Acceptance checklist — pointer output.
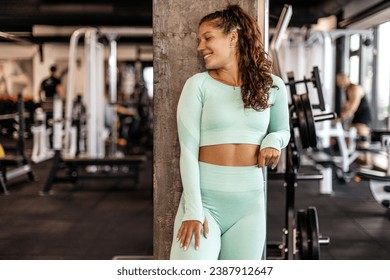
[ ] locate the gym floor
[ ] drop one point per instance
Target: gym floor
(358, 226)
(105, 219)
(94, 219)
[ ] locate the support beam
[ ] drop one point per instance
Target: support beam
(175, 24)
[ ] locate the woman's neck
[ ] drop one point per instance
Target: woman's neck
(229, 77)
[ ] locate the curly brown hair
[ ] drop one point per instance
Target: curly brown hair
(254, 63)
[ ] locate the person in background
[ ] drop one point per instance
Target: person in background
(356, 111)
(232, 119)
(50, 86)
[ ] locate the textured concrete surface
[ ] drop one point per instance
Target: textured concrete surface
(175, 24)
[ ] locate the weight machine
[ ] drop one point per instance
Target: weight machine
(301, 238)
(379, 180)
(41, 138)
(19, 160)
(88, 163)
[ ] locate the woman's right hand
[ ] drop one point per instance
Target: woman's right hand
(187, 229)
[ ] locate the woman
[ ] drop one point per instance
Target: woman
(232, 119)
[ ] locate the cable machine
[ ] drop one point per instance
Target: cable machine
(93, 158)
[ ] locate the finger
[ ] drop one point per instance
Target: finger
(197, 239)
(183, 237)
(205, 228)
(269, 159)
(268, 156)
(275, 162)
(179, 232)
(261, 160)
(272, 158)
(187, 239)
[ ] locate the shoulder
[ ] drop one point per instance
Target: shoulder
(193, 87)
(278, 89)
(44, 81)
(277, 81)
(195, 82)
(197, 79)
(355, 87)
(354, 90)
(278, 86)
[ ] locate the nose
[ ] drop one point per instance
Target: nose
(200, 46)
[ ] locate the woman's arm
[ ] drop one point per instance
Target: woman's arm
(189, 113)
(279, 126)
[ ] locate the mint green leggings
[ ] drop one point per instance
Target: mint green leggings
(233, 202)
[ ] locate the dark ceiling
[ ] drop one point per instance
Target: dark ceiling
(21, 15)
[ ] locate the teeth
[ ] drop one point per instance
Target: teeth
(206, 56)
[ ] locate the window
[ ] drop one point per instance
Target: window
(383, 75)
(354, 58)
(148, 77)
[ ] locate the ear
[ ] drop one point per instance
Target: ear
(233, 37)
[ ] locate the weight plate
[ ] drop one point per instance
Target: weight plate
(309, 120)
(302, 235)
(301, 121)
(313, 233)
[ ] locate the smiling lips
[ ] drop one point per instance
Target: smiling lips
(206, 56)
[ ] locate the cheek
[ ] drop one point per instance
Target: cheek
(222, 50)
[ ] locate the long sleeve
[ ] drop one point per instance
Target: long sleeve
(189, 114)
(279, 127)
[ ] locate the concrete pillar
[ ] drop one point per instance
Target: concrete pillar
(175, 24)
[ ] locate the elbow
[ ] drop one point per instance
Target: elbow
(285, 136)
(277, 139)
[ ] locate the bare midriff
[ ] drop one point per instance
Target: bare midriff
(230, 154)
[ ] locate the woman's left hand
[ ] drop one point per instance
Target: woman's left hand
(268, 156)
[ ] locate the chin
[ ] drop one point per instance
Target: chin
(209, 67)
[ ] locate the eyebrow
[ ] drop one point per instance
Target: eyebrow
(203, 34)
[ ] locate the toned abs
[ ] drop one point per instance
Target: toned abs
(230, 154)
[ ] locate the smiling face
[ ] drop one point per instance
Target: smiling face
(216, 48)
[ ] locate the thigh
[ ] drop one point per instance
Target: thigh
(245, 240)
(209, 247)
(362, 129)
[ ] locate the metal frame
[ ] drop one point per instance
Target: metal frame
(276, 41)
(263, 20)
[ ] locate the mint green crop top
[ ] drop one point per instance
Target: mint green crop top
(209, 113)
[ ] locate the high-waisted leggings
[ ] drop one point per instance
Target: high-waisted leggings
(233, 202)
